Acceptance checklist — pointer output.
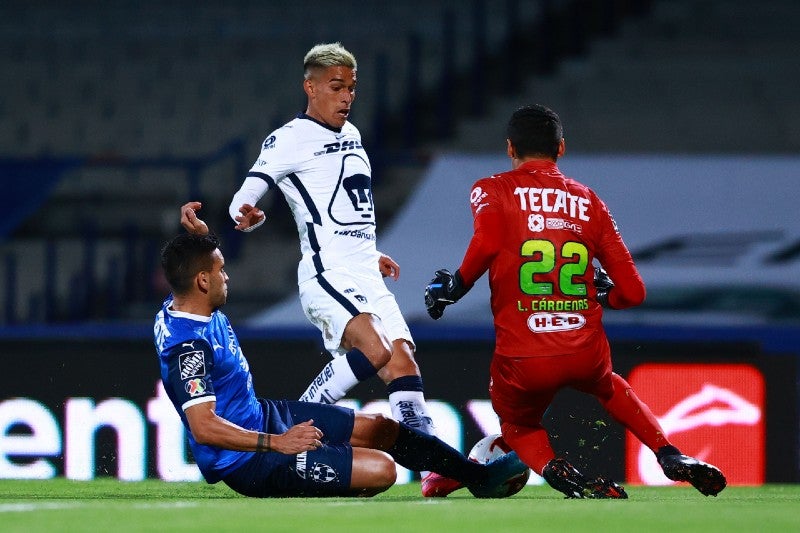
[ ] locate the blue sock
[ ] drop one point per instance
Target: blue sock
(405, 383)
(417, 451)
(361, 366)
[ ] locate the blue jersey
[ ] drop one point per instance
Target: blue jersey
(201, 361)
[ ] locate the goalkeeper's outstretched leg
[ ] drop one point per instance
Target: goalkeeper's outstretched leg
(635, 415)
(706, 478)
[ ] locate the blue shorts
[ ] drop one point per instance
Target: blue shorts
(322, 472)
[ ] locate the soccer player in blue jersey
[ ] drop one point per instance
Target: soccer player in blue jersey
(318, 163)
(261, 447)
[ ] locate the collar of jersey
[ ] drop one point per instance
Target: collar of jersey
(190, 316)
(539, 164)
(312, 119)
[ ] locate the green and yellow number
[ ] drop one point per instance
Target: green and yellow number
(573, 260)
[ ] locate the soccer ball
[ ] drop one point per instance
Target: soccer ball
(490, 448)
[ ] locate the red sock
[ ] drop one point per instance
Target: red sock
(531, 444)
(635, 415)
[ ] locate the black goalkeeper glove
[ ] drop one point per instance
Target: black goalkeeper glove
(444, 289)
(603, 284)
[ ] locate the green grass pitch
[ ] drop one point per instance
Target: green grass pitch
(110, 505)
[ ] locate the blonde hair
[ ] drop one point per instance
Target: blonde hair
(327, 55)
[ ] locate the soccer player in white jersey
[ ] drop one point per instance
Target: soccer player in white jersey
(317, 161)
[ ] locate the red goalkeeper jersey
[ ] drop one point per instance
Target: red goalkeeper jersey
(538, 232)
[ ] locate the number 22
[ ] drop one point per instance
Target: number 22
(575, 258)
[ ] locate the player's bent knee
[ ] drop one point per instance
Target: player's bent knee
(380, 358)
(374, 430)
(386, 475)
(378, 355)
(374, 471)
(375, 419)
(401, 363)
(364, 331)
(615, 388)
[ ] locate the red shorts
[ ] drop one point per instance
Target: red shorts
(522, 388)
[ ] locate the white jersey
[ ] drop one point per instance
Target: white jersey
(325, 176)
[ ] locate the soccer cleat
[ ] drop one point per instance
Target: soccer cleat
(565, 478)
(601, 488)
(706, 478)
(438, 486)
(502, 469)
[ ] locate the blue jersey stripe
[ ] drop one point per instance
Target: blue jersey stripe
(314, 243)
(263, 176)
(352, 309)
(312, 209)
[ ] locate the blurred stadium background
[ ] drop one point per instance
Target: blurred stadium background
(683, 114)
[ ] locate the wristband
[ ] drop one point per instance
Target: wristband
(260, 446)
(254, 226)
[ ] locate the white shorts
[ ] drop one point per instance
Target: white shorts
(331, 299)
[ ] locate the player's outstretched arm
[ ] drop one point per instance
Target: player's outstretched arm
(444, 289)
(242, 207)
(212, 430)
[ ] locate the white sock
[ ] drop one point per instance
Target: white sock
(332, 383)
(409, 407)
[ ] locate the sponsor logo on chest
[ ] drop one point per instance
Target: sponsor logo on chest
(336, 147)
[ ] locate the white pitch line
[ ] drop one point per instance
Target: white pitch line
(30, 507)
(33, 507)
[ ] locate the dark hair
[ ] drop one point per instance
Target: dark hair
(535, 130)
(186, 255)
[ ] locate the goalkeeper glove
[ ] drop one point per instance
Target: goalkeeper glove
(444, 289)
(603, 284)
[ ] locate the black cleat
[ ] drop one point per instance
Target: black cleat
(605, 489)
(706, 478)
(563, 477)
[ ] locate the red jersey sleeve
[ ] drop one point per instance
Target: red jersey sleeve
(613, 254)
(487, 223)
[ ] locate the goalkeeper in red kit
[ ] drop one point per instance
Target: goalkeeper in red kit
(538, 234)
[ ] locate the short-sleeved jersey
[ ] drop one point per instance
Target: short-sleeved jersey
(326, 177)
(538, 233)
(201, 361)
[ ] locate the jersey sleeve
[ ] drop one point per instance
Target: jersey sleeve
(613, 254)
(278, 157)
(250, 193)
(487, 225)
(275, 161)
(189, 366)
